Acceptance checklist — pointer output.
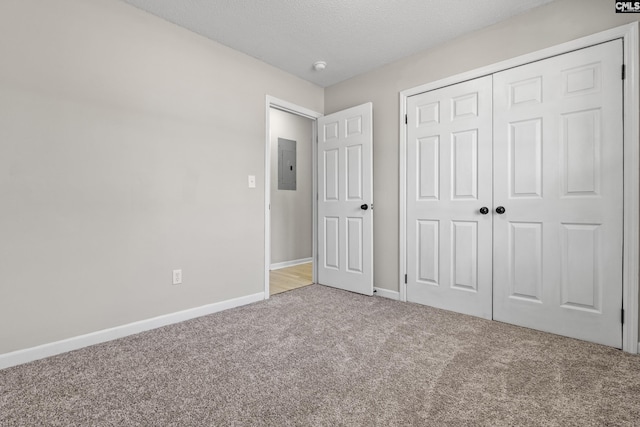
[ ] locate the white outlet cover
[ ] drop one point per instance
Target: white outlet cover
(252, 181)
(177, 277)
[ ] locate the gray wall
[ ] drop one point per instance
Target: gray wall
(291, 215)
(549, 25)
(125, 145)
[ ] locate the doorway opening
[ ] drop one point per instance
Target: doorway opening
(290, 206)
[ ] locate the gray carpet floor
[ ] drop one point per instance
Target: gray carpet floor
(317, 356)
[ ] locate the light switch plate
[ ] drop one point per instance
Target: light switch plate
(252, 181)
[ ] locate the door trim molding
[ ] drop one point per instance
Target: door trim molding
(631, 135)
(289, 107)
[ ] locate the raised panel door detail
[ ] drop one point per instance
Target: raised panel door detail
(428, 251)
(580, 136)
(525, 261)
(331, 191)
(354, 244)
(525, 92)
(582, 80)
(353, 126)
(464, 170)
(330, 131)
(331, 247)
(354, 172)
(428, 158)
(428, 114)
(558, 173)
(464, 255)
(464, 106)
(581, 287)
(345, 183)
(525, 157)
(449, 178)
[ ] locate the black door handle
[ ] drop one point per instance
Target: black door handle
(484, 210)
(500, 210)
(364, 207)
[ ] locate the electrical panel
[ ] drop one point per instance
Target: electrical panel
(286, 164)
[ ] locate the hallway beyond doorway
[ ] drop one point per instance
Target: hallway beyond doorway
(286, 279)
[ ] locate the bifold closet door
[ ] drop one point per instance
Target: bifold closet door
(558, 178)
(448, 184)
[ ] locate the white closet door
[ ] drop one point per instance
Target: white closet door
(345, 188)
(448, 182)
(558, 175)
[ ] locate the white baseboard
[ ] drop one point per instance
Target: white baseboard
(386, 293)
(285, 264)
(51, 349)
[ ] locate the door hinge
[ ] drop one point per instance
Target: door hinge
(405, 279)
(406, 120)
(622, 316)
(624, 71)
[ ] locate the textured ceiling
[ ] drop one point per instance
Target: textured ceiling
(352, 36)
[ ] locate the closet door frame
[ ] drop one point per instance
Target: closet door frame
(631, 134)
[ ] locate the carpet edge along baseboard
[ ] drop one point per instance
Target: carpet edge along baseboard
(19, 357)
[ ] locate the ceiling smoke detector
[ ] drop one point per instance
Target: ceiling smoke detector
(319, 65)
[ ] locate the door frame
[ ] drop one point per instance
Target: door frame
(631, 136)
(286, 106)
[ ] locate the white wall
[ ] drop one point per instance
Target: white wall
(291, 211)
(125, 145)
(549, 25)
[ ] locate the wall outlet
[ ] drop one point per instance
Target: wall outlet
(177, 277)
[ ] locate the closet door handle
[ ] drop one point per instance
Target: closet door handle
(364, 207)
(484, 210)
(500, 210)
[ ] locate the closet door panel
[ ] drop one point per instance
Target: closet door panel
(558, 148)
(448, 180)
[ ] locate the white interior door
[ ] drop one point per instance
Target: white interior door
(448, 185)
(345, 205)
(558, 154)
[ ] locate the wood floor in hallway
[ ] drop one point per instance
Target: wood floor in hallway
(286, 279)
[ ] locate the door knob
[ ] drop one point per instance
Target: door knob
(364, 207)
(500, 210)
(484, 210)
